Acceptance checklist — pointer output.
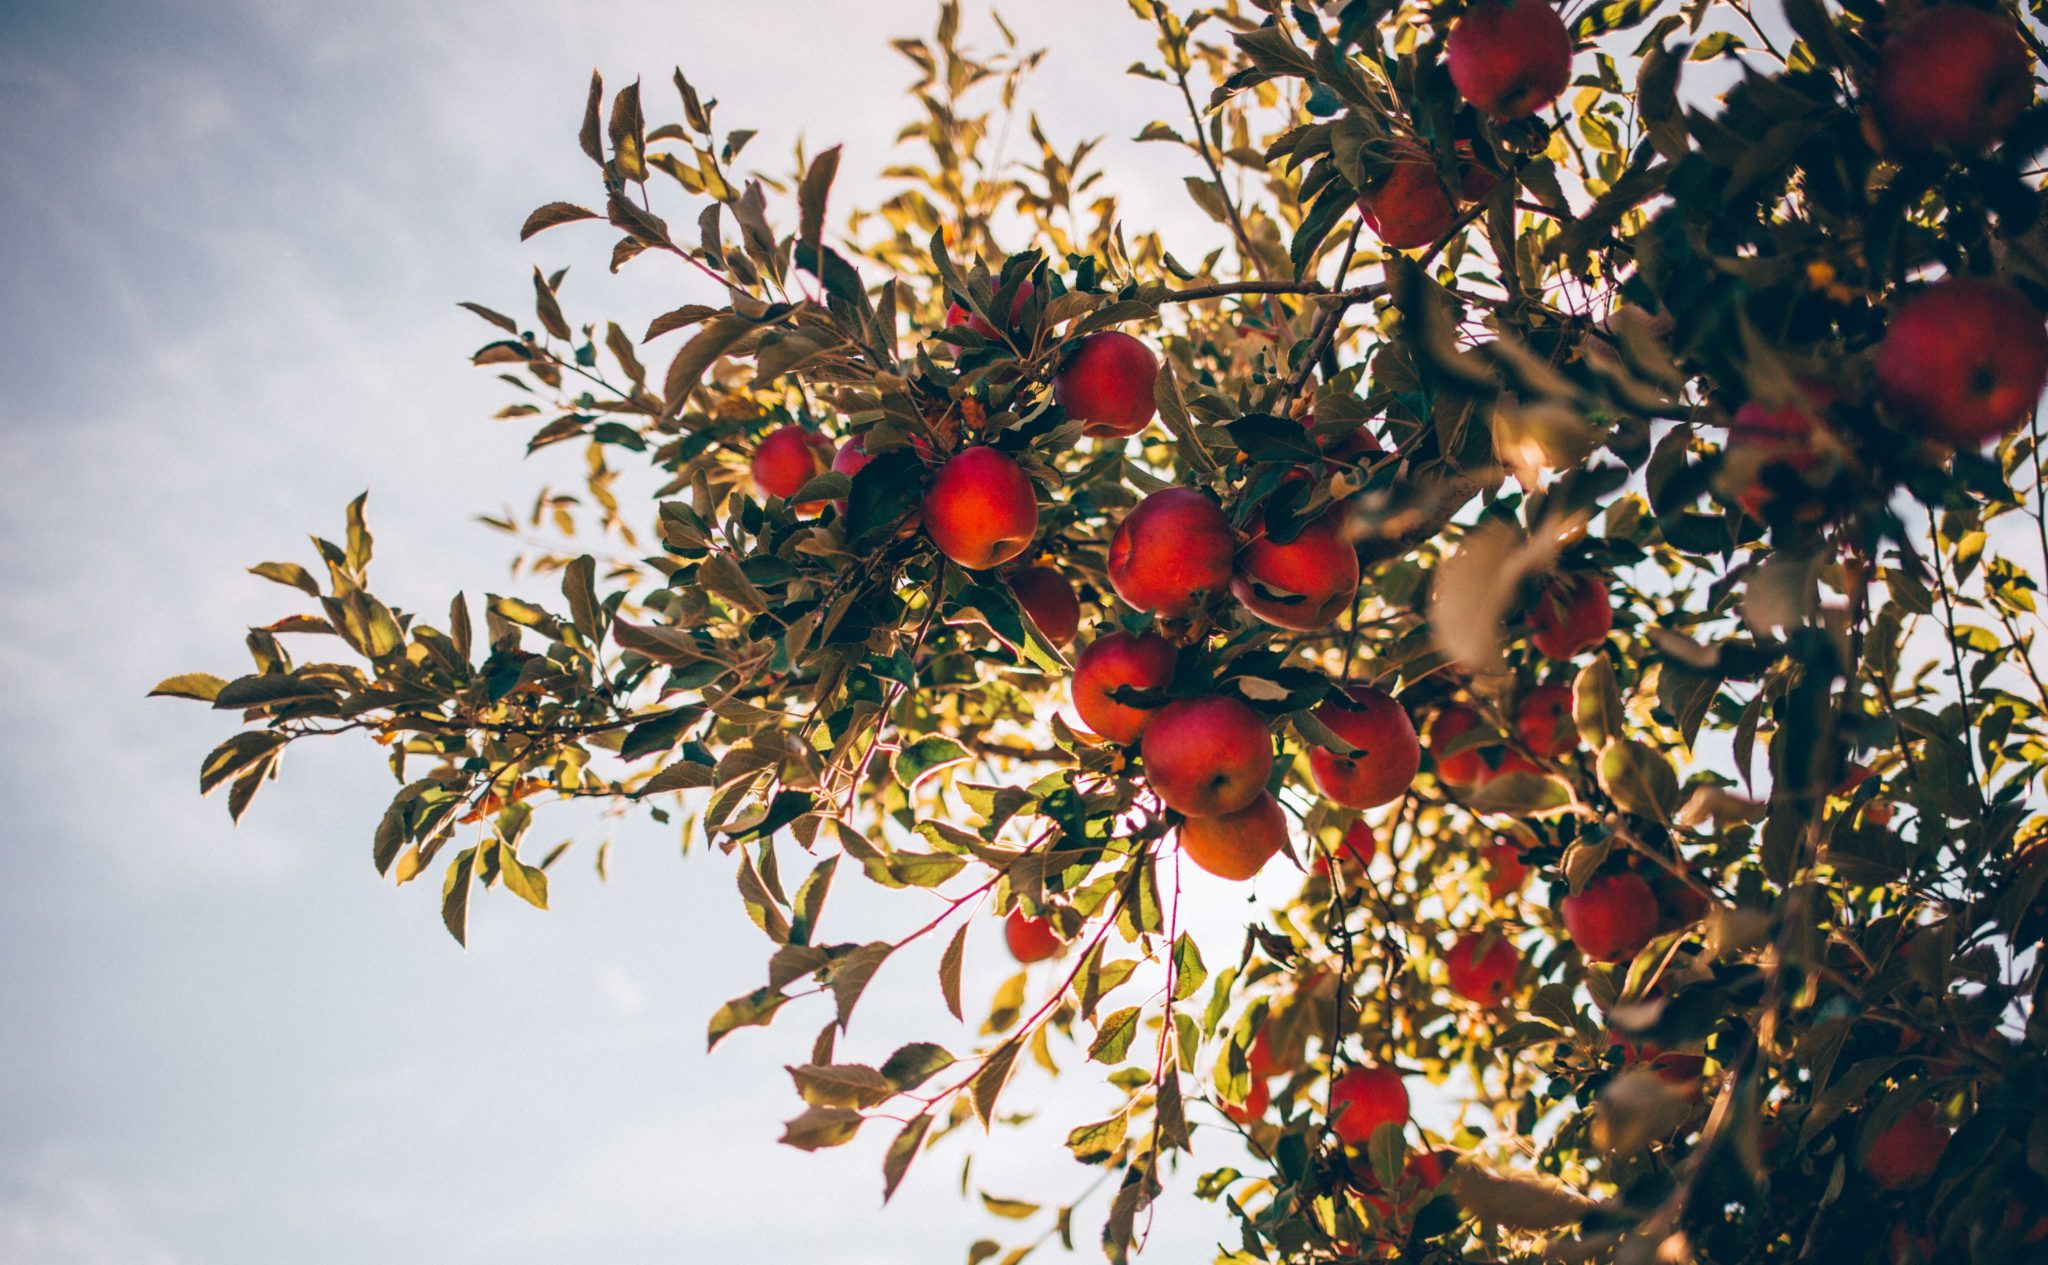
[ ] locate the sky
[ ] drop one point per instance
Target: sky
(237, 234)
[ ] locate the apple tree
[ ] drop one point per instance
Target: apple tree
(1583, 524)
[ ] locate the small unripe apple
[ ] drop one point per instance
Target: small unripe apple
(1613, 918)
(1208, 756)
(1964, 360)
(1575, 613)
(1409, 207)
(1142, 662)
(1952, 76)
(1030, 939)
(1048, 599)
(788, 458)
(1236, 845)
(958, 315)
(1544, 720)
(1354, 853)
(1504, 868)
(1509, 58)
(1482, 967)
(981, 509)
(1906, 1153)
(1460, 768)
(1253, 1108)
(1107, 384)
(1389, 753)
(1174, 547)
(1317, 572)
(1363, 1099)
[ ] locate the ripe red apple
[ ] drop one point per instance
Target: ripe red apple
(1208, 756)
(1482, 967)
(1120, 659)
(788, 458)
(1964, 360)
(1906, 1153)
(1049, 600)
(1253, 1108)
(1504, 868)
(1409, 207)
(1107, 383)
(1544, 720)
(1319, 568)
(1174, 547)
(1389, 753)
(1675, 1068)
(1461, 768)
(1760, 436)
(1354, 853)
(1574, 614)
(1365, 1098)
(852, 455)
(1509, 58)
(1679, 903)
(1236, 845)
(1613, 918)
(981, 509)
(1030, 939)
(958, 315)
(1952, 76)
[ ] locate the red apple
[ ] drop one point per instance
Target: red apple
(981, 509)
(1509, 58)
(1030, 939)
(1952, 76)
(1461, 768)
(1760, 436)
(1120, 659)
(1236, 845)
(1613, 918)
(788, 458)
(852, 455)
(1574, 614)
(1964, 360)
(1208, 756)
(1107, 383)
(958, 315)
(1544, 720)
(1253, 1108)
(1504, 868)
(1354, 854)
(1049, 600)
(1409, 207)
(1317, 572)
(1424, 1171)
(1906, 1153)
(1675, 1068)
(1482, 967)
(1389, 753)
(1363, 1099)
(1174, 547)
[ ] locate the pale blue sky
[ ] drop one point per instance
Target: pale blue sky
(237, 232)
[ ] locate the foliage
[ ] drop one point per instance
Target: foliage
(1816, 729)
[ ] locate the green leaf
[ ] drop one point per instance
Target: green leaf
(821, 1127)
(914, 1064)
(269, 689)
(752, 1011)
(919, 760)
(288, 573)
(579, 589)
(1113, 1036)
(455, 887)
(1095, 1143)
(1009, 1209)
(650, 737)
(884, 492)
(817, 183)
(203, 686)
(236, 755)
(1189, 973)
(901, 1151)
(850, 976)
(949, 970)
(528, 883)
(988, 1083)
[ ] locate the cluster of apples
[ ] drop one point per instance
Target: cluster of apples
(1507, 59)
